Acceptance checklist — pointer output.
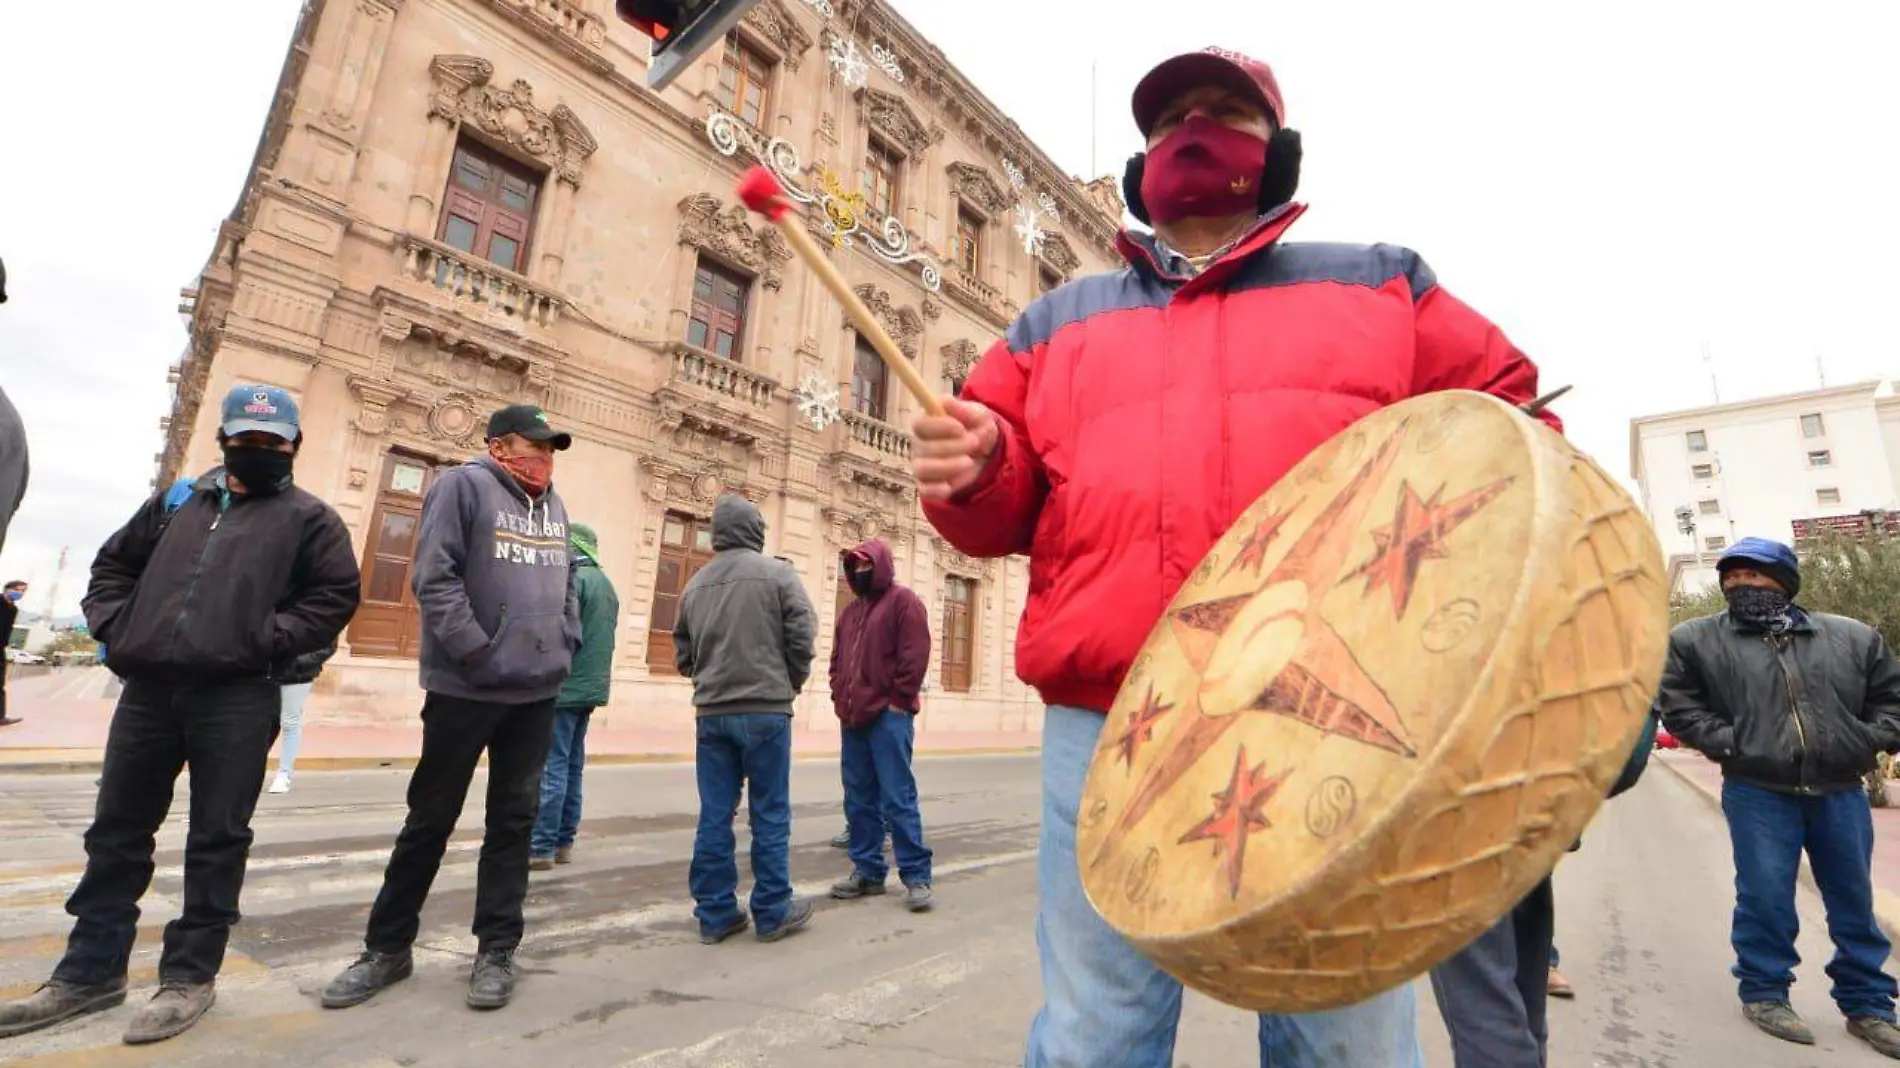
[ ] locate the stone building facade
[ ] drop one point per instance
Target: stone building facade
(460, 204)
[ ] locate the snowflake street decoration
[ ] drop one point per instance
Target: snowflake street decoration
(1029, 219)
(823, 7)
(847, 217)
(1029, 228)
(886, 61)
(817, 401)
(850, 63)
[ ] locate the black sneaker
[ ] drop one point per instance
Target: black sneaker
(369, 976)
(855, 886)
(796, 917)
(57, 1001)
(1779, 1019)
(843, 840)
(712, 936)
(491, 983)
(1876, 1032)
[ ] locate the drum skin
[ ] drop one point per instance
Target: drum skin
(1379, 712)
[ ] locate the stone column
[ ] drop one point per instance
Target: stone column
(432, 173)
(553, 238)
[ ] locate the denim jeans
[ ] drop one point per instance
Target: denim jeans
(223, 733)
(1768, 831)
(560, 816)
(880, 792)
(1493, 993)
(455, 731)
(1107, 1006)
(750, 751)
(294, 697)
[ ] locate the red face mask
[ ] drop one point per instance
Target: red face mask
(533, 471)
(1203, 170)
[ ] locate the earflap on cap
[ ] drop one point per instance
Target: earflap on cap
(1280, 180)
(1131, 187)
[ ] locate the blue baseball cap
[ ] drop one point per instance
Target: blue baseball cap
(1771, 558)
(259, 409)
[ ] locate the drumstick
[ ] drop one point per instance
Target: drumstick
(1543, 402)
(762, 193)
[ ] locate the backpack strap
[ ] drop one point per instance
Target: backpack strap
(175, 498)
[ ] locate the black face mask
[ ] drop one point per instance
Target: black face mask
(1759, 605)
(860, 582)
(263, 471)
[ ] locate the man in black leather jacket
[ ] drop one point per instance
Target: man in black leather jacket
(1794, 705)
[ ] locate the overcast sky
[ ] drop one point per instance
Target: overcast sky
(1617, 184)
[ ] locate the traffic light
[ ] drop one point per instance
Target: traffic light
(682, 30)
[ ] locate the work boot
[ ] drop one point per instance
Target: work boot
(171, 1012)
(855, 886)
(1876, 1032)
(1779, 1019)
(564, 855)
(795, 919)
(491, 983)
(540, 863)
(1559, 987)
(57, 1001)
(369, 976)
(712, 936)
(919, 898)
(843, 840)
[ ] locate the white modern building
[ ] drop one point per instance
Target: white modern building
(1710, 476)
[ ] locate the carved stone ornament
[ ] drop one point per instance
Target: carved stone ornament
(454, 418)
(951, 560)
(959, 359)
(979, 189)
(727, 233)
(905, 325)
(776, 23)
(556, 139)
(890, 116)
(1057, 253)
(1106, 194)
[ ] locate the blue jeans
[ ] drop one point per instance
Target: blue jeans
(1493, 993)
(880, 791)
(1107, 1006)
(559, 817)
(1768, 831)
(752, 751)
(290, 716)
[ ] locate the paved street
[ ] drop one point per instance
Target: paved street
(616, 977)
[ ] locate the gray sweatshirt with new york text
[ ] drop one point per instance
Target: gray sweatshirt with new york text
(500, 621)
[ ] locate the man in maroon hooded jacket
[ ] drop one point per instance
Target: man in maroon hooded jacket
(878, 660)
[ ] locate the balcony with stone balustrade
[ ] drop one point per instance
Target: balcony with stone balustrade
(872, 439)
(469, 286)
(700, 375)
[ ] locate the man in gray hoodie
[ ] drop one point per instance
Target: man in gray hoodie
(500, 624)
(744, 636)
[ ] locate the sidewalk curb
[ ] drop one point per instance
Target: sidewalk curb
(1886, 903)
(86, 760)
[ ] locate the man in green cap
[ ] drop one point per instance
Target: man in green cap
(586, 689)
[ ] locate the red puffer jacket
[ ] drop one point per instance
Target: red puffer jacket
(1141, 413)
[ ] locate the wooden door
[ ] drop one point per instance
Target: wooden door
(685, 547)
(958, 626)
(388, 623)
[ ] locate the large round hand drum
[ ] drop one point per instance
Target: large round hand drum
(1379, 712)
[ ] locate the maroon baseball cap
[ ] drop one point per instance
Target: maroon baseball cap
(1209, 66)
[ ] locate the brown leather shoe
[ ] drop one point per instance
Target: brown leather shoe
(1779, 1019)
(1876, 1032)
(564, 855)
(57, 1001)
(171, 1012)
(1559, 987)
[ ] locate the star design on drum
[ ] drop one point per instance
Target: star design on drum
(1236, 816)
(1417, 534)
(1322, 684)
(1253, 551)
(1141, 726)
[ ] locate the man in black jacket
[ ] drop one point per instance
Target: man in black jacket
(1794, 705)
(199, 610)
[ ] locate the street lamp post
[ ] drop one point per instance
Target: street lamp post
(1685, 522)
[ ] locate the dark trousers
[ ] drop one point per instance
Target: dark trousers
(749, 751)
(560, 817)
(223, 733)
(1768, 831)
(880, 796)
(1492, 994)
(454, 734)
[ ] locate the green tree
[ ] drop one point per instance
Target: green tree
(1855, 577)
(1684, 607)
(70, 641)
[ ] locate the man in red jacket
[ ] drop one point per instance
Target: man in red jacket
(878, 660)
(1122, 425)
